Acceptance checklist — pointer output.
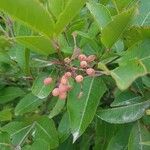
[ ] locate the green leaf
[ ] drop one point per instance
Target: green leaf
(126, 98)
(124, 114)
(57, 109)
(39, 44)
(138, 135)
(18, 131)
(100, 13)
(146, 81)
(56, 7)
(5, 115)
(124, 75)
(135, 33)
(146, 143)
(120, 140)
(136, 61)
(45, 129)
(71, 10)
(103, 134)
(40, 144)
(23, 59)
(143, 17)
(8, 94)
(81, 109)
(5, 143)
(4, 42)
(39, 89)
(28, 104)
(122, 4)
(4, 57)
(115, 28)
(31, 13)
(64, 128)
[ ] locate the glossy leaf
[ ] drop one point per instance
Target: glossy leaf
(40, 144)
(45, 129)
(5, 143)
(138, 135)
(143, 17)
(121, 5)
(39, 89)
(115, 28)
(39, 44)
(126, 98)
(100, 13)
(136, 62)
(5, 115)
(28, 104)
(124, 79)
(56, 7)
(64, 128)
(124, 114)
(146, 143)
(71, 10)
(120, 140)
(103, 137)
(31, 13)
(8, 94)
(81, 109)
(18, 131)
(57, 108)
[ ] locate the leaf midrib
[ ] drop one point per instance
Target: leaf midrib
(85, 106)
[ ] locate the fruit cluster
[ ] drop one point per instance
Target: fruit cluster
(63, 85)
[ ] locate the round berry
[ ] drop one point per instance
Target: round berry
(63, 88)
(91, 58)
(64, 80)
(83, 64)
(82, 57)
(48, 81)
(67, 60)
(79, 78)
(68, 74)
(90, 72)
(63, 96)
(55, 92)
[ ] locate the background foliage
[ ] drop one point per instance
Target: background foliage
(114, 112)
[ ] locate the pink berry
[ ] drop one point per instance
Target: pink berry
(63, 96)
(55, 92)
(91, 58)
(82, 57)
(67, 60)
(90, 72)
(48, 81)
(63, 88)
(64, 80)
(83, 64)
(68, 74)
(79, 78)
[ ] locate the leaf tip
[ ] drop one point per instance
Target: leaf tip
(75, 136)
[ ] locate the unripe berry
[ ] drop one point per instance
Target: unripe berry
(67, 74)
(64, 80)
(90, 72)
(55, 92)
(79, 78)
(63, 96)
(82, 57)
(63, 88)
(91, 58)
(83, 64)
(67, 60)
(48, 81)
